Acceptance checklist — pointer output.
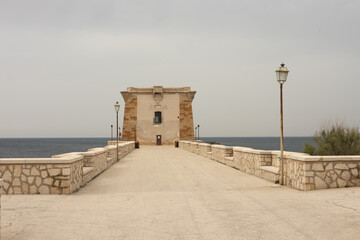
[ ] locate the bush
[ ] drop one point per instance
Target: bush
(335, 139)
(309, 149)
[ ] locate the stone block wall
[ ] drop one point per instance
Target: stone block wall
(250, 160)
(301, 171)
(314, 172)
(41, 176)
(61, 174)
(186, 116)
(194, 147)
(130, 116)
(220, 152)
(204, 148)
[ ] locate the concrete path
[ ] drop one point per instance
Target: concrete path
(167, 193)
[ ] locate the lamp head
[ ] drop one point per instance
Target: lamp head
(117, 106)
(282, 73)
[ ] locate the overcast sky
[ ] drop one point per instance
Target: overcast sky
(64, 63)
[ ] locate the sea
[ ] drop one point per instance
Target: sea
(46, 147)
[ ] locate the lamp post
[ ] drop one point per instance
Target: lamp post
(198, 127)
(117, 108)
(111, 132)
(195, 133)
(281, 75)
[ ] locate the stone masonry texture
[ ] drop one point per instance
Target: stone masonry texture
(130, 116)
(186, 117)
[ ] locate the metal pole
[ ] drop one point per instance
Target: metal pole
(281, 137)
(117, 136)
(198, 132)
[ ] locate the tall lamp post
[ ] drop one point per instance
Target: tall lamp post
(198, 127)
(117, 108)
(195, 133)
(281, 75)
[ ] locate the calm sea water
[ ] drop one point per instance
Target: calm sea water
(46, 147)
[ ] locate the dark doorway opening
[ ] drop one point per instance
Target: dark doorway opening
(158, 139)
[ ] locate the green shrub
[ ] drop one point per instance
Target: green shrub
(335, 139)
(309, 149)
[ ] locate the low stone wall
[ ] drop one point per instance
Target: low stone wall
(194, 147)
(219, 153)
(60, 174)
(204, 149)
(301, 171)
(315, 172)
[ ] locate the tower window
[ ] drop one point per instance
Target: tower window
(158, 118)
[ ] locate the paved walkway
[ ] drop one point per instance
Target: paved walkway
(167, 193)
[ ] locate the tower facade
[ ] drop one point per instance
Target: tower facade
(158, 115)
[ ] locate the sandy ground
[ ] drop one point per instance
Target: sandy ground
(168, 193)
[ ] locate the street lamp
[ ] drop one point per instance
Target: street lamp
(195, 133)
(281, 75)
(198, 127)
(117, 108)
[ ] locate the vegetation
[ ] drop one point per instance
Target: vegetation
(335, 139)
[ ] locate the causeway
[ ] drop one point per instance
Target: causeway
(162, 192)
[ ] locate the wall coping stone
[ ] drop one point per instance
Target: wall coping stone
(251, 150)
(325, 158)
(204, 144)
(97, 151)
(62, 159)
(221, 146)
(110, 147)
(91, 153)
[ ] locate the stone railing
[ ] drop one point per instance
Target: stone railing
(222, 154)
(60, 174)
(320, 172)
(301, 171)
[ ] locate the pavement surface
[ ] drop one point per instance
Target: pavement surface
(168, 193)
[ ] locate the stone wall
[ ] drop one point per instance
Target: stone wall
(194, 147)
(301, 171)
(186, 116)
(130, 116)
(204, 149)
(314, 172)
(60, 174)
(219, 153)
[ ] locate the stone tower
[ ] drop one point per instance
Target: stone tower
(158, 115)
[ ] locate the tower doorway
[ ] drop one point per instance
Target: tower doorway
(158, 139)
